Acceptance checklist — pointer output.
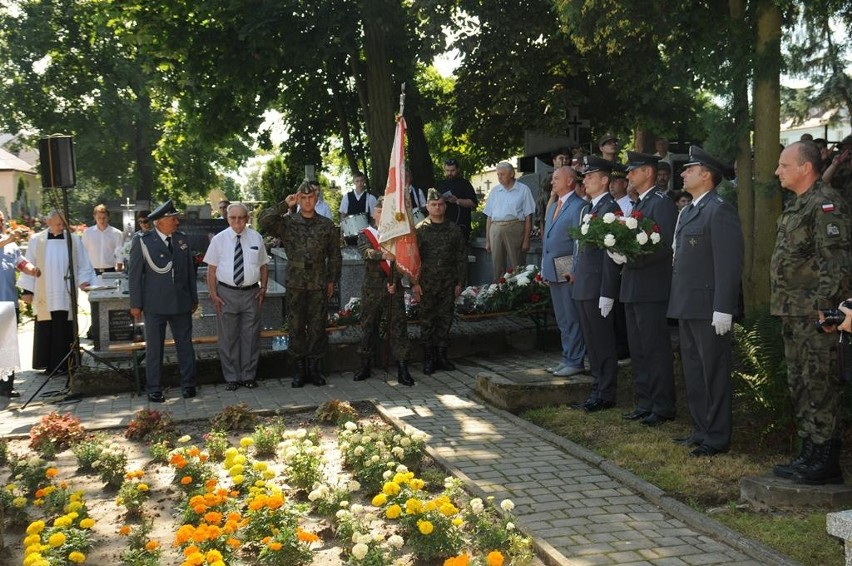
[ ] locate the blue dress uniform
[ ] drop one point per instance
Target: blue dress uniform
(163, 286)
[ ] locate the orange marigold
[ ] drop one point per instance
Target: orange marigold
(460, 560)
(186, 480)
(124, 530)
(51, 472)
(213, 517)
(494, 558)
(152, 545)
(274, 545)
(305, 536)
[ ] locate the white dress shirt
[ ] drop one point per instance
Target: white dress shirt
(220, 253)
(102, 245)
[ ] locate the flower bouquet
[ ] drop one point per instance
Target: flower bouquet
(349, 315)
(520, 289)
(622, 237)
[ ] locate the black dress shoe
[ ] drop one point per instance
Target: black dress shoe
(655, 420)
(232, 386)
(298, 382)
(583, 405)
(598, 405)
(636, 415)
(250, 384)
(705, 450)
(156, 397)
(687, 441)
(189, 392)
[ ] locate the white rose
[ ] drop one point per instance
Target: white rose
(507, 505)
(510, 526)
(584, 229)
(405, 442)
(609, 240)
(655, 237)
(476, 506)
(396, 541)
(350, 425)
(642, 238)
(359, 551)
(314, 495)
(387, 474)
(609, 218)
(359, 451)
(631, 223)
(587, 218)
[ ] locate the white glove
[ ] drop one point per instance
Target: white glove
(617, 257)
(722, 322)
(605, 304)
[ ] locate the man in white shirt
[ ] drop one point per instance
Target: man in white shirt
(237, 277)
(417, 196)
(509, 209)
(358, 200)
(101, 241)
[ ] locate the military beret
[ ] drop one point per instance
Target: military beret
(698, 156)
(433, 194)
(306, 188)
(636, 160)
(164, 210)
(594, 163)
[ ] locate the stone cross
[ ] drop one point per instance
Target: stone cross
(574, 124)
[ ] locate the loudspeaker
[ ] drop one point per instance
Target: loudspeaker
(58, 169)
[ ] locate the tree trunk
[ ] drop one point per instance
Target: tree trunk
(142, 142)
(767, 111)
(419, 158)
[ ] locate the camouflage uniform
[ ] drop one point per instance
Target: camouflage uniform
(841, 181)
(312, 246)
(811, 269)
(374, 303)
(443, 259)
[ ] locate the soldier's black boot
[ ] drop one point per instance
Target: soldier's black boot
(314, 372)
(402, 375)
(300, 375)
(798, 463)
(428, 360)
(443, 361)
(364, 371)
(824, 466)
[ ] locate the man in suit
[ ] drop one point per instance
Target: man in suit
(596, 283)
(558, 248)
(163, 290)
(645, 284)
(708, 266)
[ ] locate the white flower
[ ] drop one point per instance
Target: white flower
(350, 425)
(364, 539)
(356, 508)
(405, 442)
(396, 541)
(609, 240)
(359, 451)
(353, 485)
(642, 238)
(359, 551)
(510, 526)
(522, 281)
(341, 514)
(314, 495)
(609, 218)
(184, 439)
(587, 218)
(402, 469)
(418, 436)
(398, 451)
(369, 518)
(387, 474)
(344, 504)
(631, 223)
(507, 505)
(655, 237)
(584, 229)
(476, 506)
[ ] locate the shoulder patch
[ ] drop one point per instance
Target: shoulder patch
(828, 207)
(832, 230)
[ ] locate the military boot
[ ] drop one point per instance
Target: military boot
(402, 375)
(443, 361)
(300, 374)
(364, 371)
(314, 373)
(428, 360)
(824, 466)
(798, 463)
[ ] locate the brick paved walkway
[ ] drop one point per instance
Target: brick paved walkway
(580, 511)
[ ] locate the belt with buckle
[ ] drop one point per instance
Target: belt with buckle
(235, 288)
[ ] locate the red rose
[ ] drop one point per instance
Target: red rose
(534, 298)
(510, 270)
(538, 277)
(618, 213)
(636, 214)
(501, 280)
(656, 228)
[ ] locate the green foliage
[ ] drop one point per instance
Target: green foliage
(233, 418)
(277, 181)
(141, 551)
(265, 440)
(216, 442)
(56, 432)
(336, 412)
(149, 425)
(31, 473)
(760, 368)
(111, 466)
(88, 452)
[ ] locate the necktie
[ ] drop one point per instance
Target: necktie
(169, 244)
(238, 263)
(558, 208)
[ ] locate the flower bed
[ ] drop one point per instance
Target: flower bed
(282, 493)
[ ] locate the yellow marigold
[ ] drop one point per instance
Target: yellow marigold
(246, 441)
(33, 549)
(87, 523)
(33, 559)
(238, 479)
(38, 502)
(275, 501)
(380, 500)
(73, 506)
(184, 534)
(213, 556)
(275, 545)
(413, 506)
(51, 472)
(457, 521)
(31, 540)
(152, 545)
(56, 539)
(417, 484)
(494, 558)
(390, 488)
(194, 559)
(143, 487)
(448, 509)
(19, 502)
(425, 527)
(186, 480)
(124, 530)
(77, 557)
(393, 511)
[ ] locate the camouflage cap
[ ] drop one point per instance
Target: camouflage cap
(433, 194)
(306, 188)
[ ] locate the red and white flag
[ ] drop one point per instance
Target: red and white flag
(396, 226)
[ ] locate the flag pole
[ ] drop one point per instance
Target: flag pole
(402, 101)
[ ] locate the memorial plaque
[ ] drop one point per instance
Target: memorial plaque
(120, 326)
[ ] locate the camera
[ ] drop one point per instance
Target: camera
(833, 317)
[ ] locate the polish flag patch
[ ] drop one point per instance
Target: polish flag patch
(828, 207)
